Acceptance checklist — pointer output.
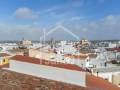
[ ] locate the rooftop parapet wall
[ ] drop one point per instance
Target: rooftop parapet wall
(48, 72)
(106, 69)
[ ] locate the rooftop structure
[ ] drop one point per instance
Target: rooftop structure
(67, 73)
(84, 42)
(60, 72)
(25, 42)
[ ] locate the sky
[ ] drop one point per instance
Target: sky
(31, 19)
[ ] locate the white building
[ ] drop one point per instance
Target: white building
(108, 73)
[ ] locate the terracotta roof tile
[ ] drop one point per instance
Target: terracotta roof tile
(97, 83)
(83, 57)
(4, 54)
(113, 49)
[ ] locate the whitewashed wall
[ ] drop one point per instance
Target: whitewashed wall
(53, 73)
(107, 75)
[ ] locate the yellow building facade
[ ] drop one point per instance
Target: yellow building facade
(4, 61)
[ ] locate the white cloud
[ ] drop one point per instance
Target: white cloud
(25, 13)
(105, 28)
(108, 23)
(16, 32)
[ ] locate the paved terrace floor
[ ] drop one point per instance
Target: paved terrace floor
(16, 81)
